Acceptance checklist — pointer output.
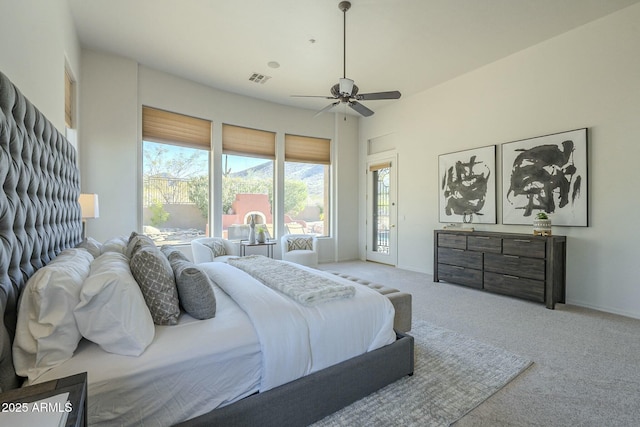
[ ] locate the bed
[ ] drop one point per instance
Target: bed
(40, 225)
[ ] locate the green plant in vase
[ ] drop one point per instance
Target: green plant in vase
(261, 236)
(542, 224)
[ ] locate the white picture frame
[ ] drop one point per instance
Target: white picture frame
(467, 186)
(546, 174)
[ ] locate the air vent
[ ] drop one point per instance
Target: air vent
(259, 78)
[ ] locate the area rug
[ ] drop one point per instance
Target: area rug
(453, 374)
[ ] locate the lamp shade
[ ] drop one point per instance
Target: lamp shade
(89, 205)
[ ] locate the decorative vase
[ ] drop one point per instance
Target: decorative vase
(542, 227)
(252, 231)
(260, 236)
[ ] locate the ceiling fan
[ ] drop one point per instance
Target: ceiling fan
(346, 91)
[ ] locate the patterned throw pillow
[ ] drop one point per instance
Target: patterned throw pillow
(217, 247)
(300, 244)
(154, 275)
(137, 241)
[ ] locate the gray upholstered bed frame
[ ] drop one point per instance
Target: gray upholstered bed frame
(39, 210)
(40, 217)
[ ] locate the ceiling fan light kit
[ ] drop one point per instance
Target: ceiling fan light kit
(346, 91)
(346, 86)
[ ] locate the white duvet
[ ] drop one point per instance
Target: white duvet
(296, 340)
(258, 340)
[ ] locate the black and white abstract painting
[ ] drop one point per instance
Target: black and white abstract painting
(467, 186)
(546, 174)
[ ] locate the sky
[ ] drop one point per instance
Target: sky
(235, 163)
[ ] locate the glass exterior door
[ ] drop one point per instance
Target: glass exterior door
(381, 212)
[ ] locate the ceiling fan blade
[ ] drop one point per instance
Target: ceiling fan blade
(394, 94)
(312, 96)
(327, 108)
(360, 108)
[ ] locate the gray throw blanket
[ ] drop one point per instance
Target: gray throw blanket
(300, 285)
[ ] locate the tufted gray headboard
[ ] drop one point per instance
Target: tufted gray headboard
(39, 210)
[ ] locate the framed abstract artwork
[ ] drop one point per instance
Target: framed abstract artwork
(467, 186)
(546, 174)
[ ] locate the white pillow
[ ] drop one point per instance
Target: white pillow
(46, 331)
(92, 245)
(112, 311)
(115, 244)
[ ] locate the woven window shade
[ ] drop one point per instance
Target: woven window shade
(305, 149)
(248, 142)
(173, 128)
(379, 166)
(68, 99)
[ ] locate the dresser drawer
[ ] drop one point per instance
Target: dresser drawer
(460, 258)
(460, 275)
(525, 247)
(452, 241)
(531, 268)
(515, 286)
(484, 244)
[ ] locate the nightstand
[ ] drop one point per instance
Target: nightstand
(76, 385)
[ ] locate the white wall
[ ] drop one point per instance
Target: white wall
(585, 78)
(113, 92)
(35, 38)
(589, 77)
(108, 142)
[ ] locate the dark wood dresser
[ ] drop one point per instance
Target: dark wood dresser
(519, 265)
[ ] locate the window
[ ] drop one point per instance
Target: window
(306, 185)
(175, 168)
(381, 207)
(247, 180)
(69, 94)
(69, 107)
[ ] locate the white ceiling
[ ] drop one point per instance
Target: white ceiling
(405, 45)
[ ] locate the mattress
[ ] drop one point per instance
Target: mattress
(258, 340)
(188, 370)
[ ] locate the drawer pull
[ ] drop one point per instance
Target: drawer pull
(482, 237)
(522, 240)
(510, 276)
(458, 250)
(457, 267)
(511, 256)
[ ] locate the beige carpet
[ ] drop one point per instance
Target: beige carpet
(586, 367)
(453, 374)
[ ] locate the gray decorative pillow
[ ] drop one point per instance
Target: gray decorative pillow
(217, 247)
(195, 290)
(154, 275)
(172, 253)
(300, 244)
(137, 241)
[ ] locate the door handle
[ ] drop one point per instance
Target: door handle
(393, 226)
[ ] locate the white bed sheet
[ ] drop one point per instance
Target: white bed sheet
(188, 370)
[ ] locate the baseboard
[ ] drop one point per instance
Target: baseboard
(608, 310)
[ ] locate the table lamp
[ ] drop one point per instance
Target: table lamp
(89, 208)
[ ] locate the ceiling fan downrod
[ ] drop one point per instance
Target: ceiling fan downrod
(346, 91)
(344, 6)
